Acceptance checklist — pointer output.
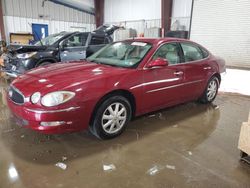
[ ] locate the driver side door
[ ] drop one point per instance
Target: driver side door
(73, 48)
(162, 85)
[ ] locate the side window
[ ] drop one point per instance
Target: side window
(97, 40)
(191, 52)
(169, 52)
(204, 52)
(75, 41)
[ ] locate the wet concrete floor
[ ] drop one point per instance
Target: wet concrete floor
(190, 145)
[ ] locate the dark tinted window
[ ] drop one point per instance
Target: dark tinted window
(97, 40)
(169, 52)
(76, 40)
(191, 52)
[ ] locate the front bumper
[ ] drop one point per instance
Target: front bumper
(31, 118)
(13, 66)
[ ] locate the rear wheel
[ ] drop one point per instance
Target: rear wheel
(210, 91)
(111, 117)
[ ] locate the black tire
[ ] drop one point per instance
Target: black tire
(98, 123)
(44, 63)
(243, 154)
(206, 98)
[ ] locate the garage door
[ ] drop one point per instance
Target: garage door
(224, 28)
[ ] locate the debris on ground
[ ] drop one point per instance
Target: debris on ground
(64, 158)
(190, 153)
(216, 107)
(154, 170)
(23, 136)
(137, 135)
(175, 126)
(171, 167)
(152, 115)
(9, 130)
(109, 167)
(61, 165)
(161, 117)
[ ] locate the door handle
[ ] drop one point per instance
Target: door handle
(178, 73)
(207, 68)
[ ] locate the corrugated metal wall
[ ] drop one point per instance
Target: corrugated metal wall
(223, 27)
(19, 14)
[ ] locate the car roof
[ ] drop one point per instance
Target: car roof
(158, 40)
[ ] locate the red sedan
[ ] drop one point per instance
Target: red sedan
(122, 80)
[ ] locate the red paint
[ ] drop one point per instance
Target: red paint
(152, 88)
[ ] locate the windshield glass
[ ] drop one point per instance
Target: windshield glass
(121, 54)
(51, 39)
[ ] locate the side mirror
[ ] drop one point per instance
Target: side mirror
(159, 62)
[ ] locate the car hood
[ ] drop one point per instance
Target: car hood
(63, 76)
(24, 48)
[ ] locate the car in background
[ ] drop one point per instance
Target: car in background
(64, 46)
(122, 80)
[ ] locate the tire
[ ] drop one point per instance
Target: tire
(211, 91)
(111, 118)
(44, 63)
(243, 154)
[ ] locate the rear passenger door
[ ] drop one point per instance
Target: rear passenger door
(193, 64)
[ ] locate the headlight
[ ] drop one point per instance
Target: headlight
(35, 97)
(26, 55)
(56, 98)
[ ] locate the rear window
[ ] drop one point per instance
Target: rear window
(191, 52)
(205, 53)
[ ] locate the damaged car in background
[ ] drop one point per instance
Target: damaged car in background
(60, 47)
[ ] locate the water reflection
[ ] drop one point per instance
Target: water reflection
(4, 112)
(13, 174)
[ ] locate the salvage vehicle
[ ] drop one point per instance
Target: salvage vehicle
(64, 46)
(123, 80)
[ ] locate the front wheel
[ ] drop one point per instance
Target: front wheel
(44, 64)
(111, 117)
(210, 91)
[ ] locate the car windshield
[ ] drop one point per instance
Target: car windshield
(51, 39)
(121, 54)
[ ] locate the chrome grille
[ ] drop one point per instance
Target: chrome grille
(15, 95)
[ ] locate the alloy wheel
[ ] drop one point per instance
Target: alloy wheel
(212, 89)
(114, 118)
